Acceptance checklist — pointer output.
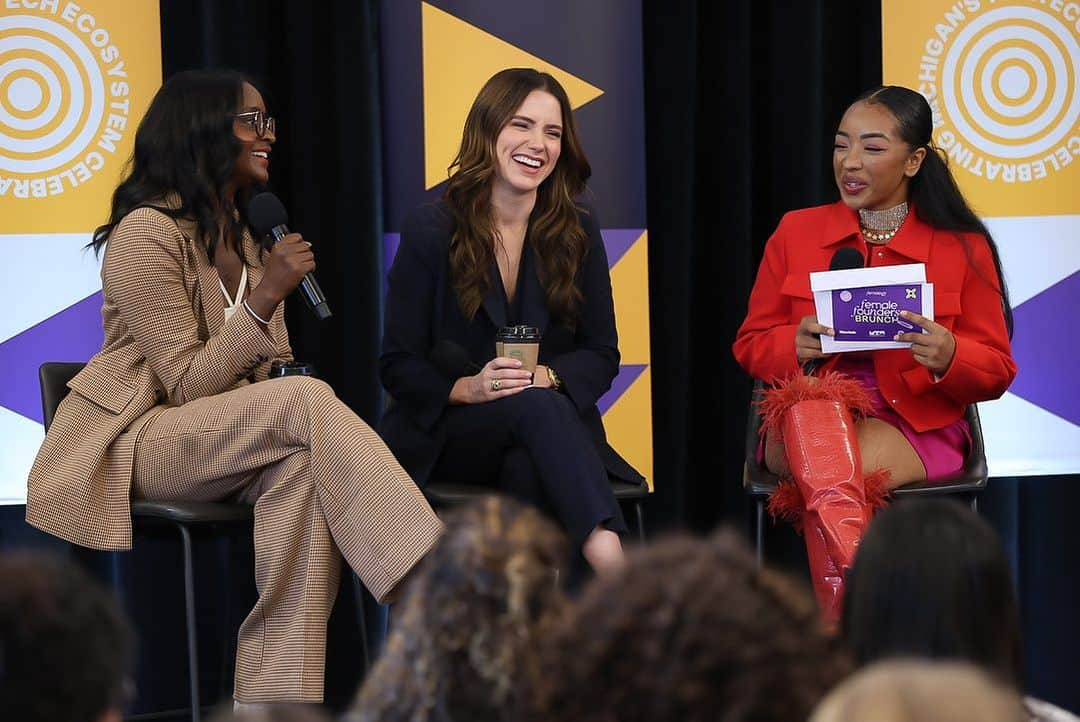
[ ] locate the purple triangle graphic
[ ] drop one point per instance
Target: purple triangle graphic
(390, 244)
(74, 334)
(1046, 345)
(617, 242)
(628, 374)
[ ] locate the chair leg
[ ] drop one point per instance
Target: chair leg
(189, 609)
(759, 531)
(228, 636)
(975, 503)
(640, 521)
(361, 615)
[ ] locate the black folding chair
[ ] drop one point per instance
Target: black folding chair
(184, 516)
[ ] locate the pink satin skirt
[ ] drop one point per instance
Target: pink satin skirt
(942, 451)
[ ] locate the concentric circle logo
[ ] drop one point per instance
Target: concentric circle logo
(63, 101)
(1004, 86)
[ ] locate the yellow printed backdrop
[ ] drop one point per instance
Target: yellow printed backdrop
(1003, 80)
(74, 81)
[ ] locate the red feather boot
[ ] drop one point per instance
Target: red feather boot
(815, 418)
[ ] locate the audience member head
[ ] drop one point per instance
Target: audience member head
(65, 648)
(921, 691)
(931, 580)
(462, 646)
(692, 631)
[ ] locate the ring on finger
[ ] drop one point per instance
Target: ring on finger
(496, 384)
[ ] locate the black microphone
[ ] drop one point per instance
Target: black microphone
(844, 259)
(269, 218)
(452, 360)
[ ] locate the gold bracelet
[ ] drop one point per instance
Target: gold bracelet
(556, 382)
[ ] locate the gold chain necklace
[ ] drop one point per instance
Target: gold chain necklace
(877, 236)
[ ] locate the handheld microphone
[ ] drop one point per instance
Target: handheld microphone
(844, 259)
(452, 360)
(269, 218)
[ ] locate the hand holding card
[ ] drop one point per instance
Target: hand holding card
(935, 348)
(865, 306)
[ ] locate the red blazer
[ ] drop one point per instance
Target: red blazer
(966, 301)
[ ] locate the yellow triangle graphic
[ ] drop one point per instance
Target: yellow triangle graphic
(458, 60)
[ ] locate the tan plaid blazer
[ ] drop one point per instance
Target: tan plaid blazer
(166, 343)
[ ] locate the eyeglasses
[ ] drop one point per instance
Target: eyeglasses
(258, 121)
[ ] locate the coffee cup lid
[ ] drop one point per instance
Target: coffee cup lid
(518, 333)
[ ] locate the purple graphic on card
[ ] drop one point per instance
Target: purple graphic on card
(873, 313)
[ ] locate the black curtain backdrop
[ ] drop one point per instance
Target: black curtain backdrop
(741, 103)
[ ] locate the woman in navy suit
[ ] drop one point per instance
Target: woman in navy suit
(509, 245)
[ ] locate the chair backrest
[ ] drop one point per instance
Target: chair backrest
(54, 377)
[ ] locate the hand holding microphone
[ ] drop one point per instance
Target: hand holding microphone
(289, 260)
(290, 264)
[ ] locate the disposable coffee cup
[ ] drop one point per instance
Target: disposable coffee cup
(291, 368)
(521, 343)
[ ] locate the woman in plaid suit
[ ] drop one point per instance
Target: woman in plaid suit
(170, 407)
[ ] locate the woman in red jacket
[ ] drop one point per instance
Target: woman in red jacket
(874, 420)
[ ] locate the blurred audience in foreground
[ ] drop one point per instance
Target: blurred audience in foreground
(931, 580)
(692, 630)
(463, 644)
(65, 648)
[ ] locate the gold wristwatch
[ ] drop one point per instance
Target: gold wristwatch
(556, 382)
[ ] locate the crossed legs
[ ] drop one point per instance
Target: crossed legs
(323, 485)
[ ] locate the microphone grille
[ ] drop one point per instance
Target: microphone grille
(265, 211)
(846, 259)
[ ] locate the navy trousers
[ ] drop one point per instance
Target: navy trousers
(533, 446)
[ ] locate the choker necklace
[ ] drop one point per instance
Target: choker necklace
(881, 226)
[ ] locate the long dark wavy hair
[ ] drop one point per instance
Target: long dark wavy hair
(186, 145)
(933, 190)
(555, 231)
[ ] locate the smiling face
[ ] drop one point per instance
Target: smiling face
(253, 163)
(872, 164)
(529, 145)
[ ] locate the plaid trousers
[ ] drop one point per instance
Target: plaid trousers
(323, 485)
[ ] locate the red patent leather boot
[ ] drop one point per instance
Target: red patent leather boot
(813, 417)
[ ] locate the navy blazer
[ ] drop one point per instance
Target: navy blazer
(422, 309)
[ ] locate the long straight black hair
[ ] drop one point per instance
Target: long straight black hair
(933, 190)
(185, 145)
(931, 580)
